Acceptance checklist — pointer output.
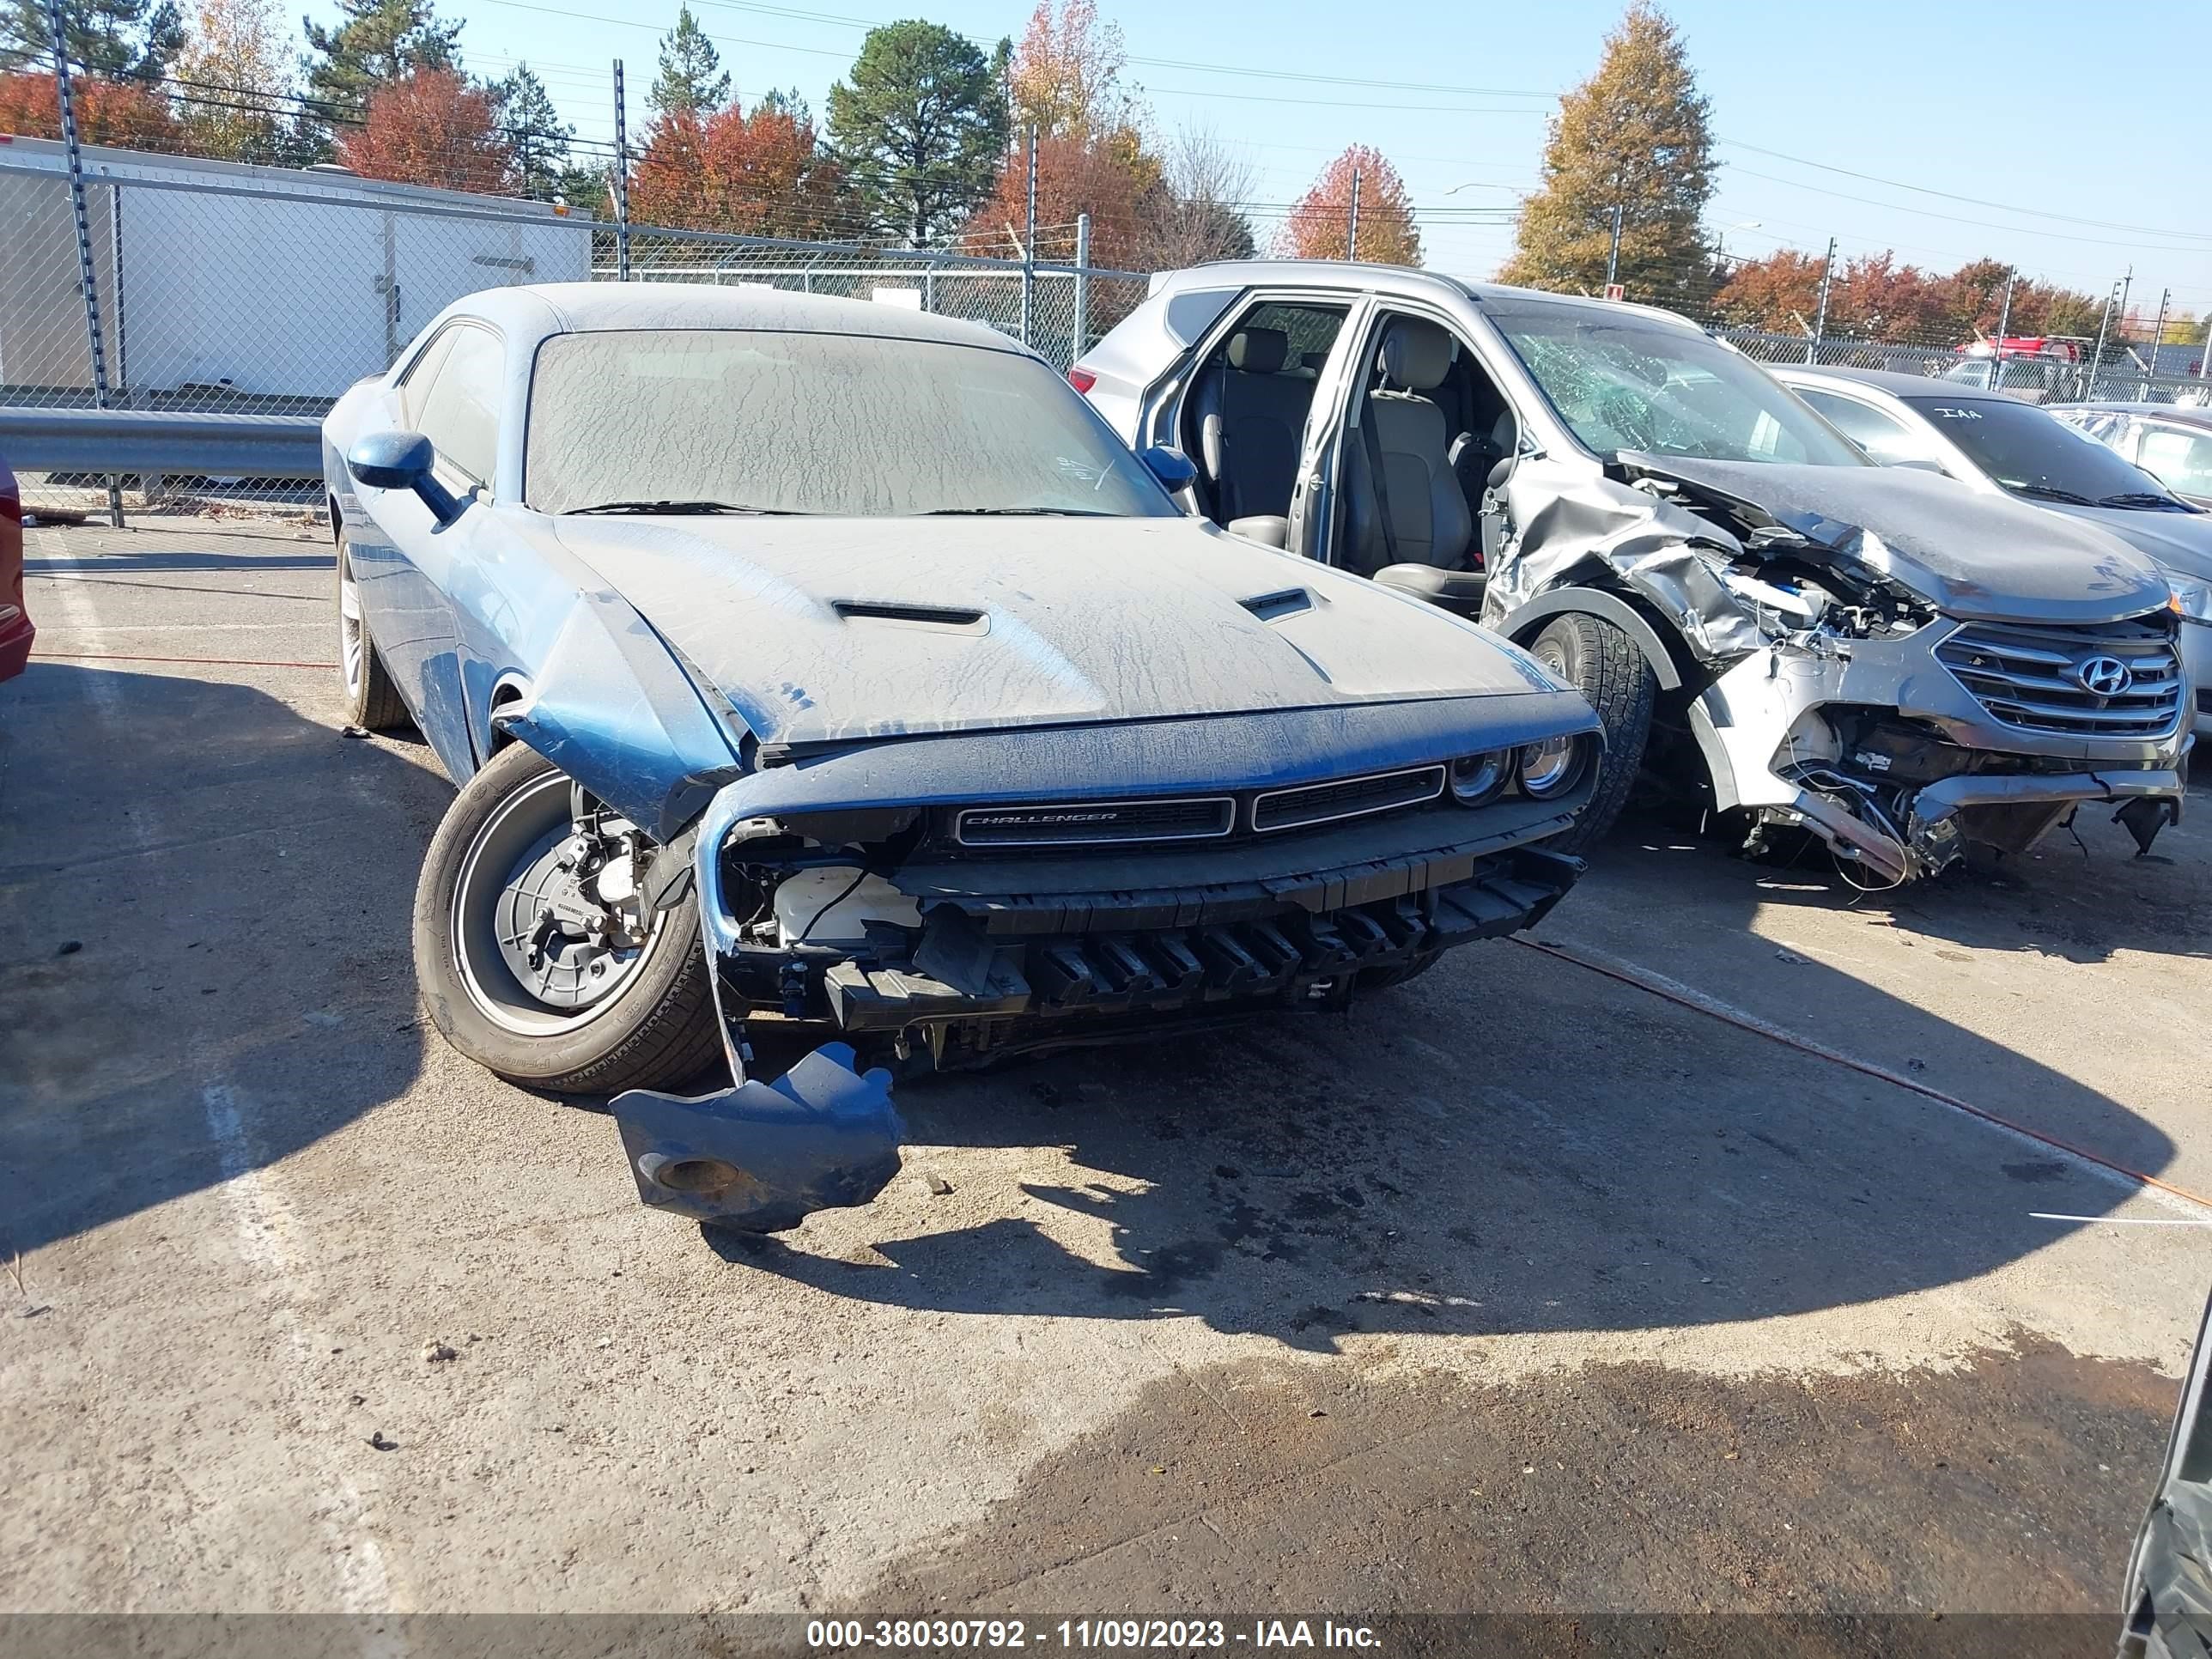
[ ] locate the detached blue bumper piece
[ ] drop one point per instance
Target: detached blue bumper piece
(763, 1156)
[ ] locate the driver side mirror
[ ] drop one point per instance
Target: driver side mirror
(1174, 469)
(402, 460)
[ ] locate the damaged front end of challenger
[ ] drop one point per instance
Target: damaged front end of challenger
(1965, 673)
(977, 919)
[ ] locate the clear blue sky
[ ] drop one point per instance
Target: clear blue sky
(2064, 111)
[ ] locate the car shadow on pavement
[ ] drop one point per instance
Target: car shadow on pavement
(206, 963)
(1511, 1143)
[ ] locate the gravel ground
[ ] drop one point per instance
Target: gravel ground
(1521, 1289)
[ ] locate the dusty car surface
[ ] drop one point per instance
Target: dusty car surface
(17, 633)
(1759, 614)
(1994, 443)
(2168, 1598)
(824, 659)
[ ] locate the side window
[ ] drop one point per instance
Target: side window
(417, 385)
(2181, 458)
(1887, 440)
(459, 409)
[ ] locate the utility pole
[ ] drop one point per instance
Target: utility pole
(1028, 245)
(2157, 339)
(2205, 354)
(1352, 235)
(2097, 352)
(1613, 253)
(622, 183)
(2004, 327)
(98, 346)
(1821, 316)
(1082, 282)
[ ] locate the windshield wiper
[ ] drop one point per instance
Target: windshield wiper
(2044, 492)
(1014, 513)
(2144, 498)
(674, 508)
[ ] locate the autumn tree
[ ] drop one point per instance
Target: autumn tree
(919, 129)
(234, 81)
(762, 174)
(1066, 83)
(1198, 212)
(118, 39)
(1065, 78)
(375, 44)
(1875, 297)
(1780, 292)
(431, 127)
(1634, 141)
(117, 112)
(692, 80)
(1319, 226)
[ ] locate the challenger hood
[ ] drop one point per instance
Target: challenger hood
(1969, 554)
(822, 629)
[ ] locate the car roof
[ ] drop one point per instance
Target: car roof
(1898, 385)
(1404, 281)
(2185, 414)
(534, 311)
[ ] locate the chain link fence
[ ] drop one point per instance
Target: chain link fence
(226, 289)
(2125, 374)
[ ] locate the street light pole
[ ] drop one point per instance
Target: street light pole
(1352, 232)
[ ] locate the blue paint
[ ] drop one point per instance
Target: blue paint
(763, 1156)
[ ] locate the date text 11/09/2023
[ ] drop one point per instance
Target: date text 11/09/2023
(1086, 1635)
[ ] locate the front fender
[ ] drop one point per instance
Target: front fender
(610, 707)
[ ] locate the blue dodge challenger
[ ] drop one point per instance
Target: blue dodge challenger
(821, 658)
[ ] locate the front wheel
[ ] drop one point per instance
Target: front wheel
(1608, 667)
(533, 959)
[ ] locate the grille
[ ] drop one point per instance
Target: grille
(2033, 679)
(1093, 823)
(1323, 803)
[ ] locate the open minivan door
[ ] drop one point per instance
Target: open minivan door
(2169, 1587)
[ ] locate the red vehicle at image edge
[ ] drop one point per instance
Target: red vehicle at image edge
(16, 630)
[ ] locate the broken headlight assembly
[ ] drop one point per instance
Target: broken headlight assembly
(2192, 601)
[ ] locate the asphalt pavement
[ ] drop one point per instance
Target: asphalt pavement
(1521, 1288)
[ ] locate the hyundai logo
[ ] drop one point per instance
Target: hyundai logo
(2103, 676)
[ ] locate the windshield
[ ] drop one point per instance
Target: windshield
(850, 425)
(1621, 381)
(2031, 452)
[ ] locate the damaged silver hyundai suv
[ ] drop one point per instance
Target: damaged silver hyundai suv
(1759, 614)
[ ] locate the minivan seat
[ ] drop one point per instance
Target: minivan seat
(1418, 496)
(1251, 423)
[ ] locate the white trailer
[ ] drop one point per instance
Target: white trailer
(224, 286)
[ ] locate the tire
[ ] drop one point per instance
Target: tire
(654, 1028)
(1608, 667)
(372, 701)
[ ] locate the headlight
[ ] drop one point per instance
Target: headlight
(2192, 601)
(1551, 768)
(1478, 780)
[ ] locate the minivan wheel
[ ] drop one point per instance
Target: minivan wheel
(526, 970)
(1608, 667)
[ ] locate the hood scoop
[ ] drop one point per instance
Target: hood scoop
(959, 619)
(1274, 607)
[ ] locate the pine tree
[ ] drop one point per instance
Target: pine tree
(920, 128)
(125, 40)
(692, 80)
(535, 133)
(1635, 139)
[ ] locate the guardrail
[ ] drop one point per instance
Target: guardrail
(162, 442)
